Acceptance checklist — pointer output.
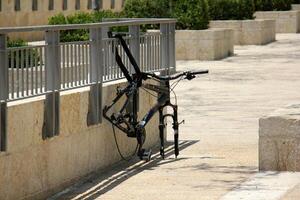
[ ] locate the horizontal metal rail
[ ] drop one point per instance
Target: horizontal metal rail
(128, 22)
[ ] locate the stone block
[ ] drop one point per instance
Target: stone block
(286, 21)
(279, 140)
(295, 6)
(211, 44)
(249, 32)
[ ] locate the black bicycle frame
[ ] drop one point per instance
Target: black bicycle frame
(127, 121)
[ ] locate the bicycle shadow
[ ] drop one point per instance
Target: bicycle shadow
(103, 181)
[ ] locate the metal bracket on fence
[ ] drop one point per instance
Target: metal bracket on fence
(96, 73)
(53, 73)
(3, 91)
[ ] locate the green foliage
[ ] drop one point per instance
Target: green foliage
(246, 9)
(29, 58)
(191, 14)
(79, 18)
(296, 1)
(146, 8)
(16, 43)
(99, 15)
(231, 9)
(282, 4)
(270, 5)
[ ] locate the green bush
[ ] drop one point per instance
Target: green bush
(146, 8)
(16, 43)
(263, 5)
(15, 60)
(282, 4)
(98, 16)
(231, 9)
(79, 18)
(246, 9)
(270, 5)
(296, 2)
(191, 14)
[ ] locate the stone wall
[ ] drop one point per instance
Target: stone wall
(295, 6)
(210, 44)
(249, 32)
(33, 168)
(286, 21)
(26, 17)
(279, 140)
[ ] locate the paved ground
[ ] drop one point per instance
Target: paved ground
(219, 157)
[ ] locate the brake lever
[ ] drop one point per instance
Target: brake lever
(190, 76)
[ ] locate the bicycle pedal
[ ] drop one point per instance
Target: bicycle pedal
(146, 155)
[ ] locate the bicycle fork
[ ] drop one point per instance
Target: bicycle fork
(175, 127)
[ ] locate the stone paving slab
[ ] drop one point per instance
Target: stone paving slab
(219, 140)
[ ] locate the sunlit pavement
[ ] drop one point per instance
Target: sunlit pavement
(219, 140)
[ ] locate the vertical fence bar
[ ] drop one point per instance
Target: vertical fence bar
(96, 68)
(3, 91)
(53, 72)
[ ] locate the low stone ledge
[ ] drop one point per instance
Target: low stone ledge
(279, 140)
(286, 21)
(210, 44)
(295, 6)
(249, 32)
(43, 167)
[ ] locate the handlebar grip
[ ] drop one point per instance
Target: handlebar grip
(199, 72)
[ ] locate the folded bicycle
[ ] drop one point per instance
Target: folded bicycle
(126, 119)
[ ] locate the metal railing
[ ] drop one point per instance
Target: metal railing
(54, 66)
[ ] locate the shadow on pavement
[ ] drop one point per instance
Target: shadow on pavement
(101, 182)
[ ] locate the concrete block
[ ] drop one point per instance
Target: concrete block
(286, 21)
(279, 140)
(249, 32)
(211, 44)
(295, 6)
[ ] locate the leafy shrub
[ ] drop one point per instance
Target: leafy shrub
(246, 9)
(146, 8)
(79, 18)
(72, 35)
(282, 4)
(270, 5)
(263, 5)
(296, 1)
(16, 43)
(15, 60)
(98, 16)
(191, 14)
(231, 9)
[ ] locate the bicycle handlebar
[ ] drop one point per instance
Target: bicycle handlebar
(188, 75)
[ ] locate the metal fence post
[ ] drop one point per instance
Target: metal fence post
(165, 48)
(134, 46)
(96, 77)
(3, 91)
(172, 51)
(53, 71)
